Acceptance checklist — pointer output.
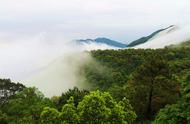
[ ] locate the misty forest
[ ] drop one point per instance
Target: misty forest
(129, 86)
(94, 62)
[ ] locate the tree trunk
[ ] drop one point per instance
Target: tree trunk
(149, 106)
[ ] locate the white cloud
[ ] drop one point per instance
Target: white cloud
(171, 36)
(45, 61)
(101, 16)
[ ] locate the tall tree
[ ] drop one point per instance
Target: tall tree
(98, 107)
(69, 113)
(75, 93)
(8, 89)
(153, 86)
(178, 113)
(50, 116)
(26, 106)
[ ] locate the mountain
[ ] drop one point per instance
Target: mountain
(185, 44)
(146, 38)
(158, 39)
(172, 35)
(104, 41)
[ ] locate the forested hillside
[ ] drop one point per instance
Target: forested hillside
(131, 86)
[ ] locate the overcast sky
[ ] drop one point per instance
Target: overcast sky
(122, 20)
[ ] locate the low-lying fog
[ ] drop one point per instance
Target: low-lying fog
(48, 63)
(52, 63)
(173, 35)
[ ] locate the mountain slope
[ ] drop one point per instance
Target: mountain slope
(171, 36)
(145, 39)
(104, 41)
(185, 44)
(158, 39)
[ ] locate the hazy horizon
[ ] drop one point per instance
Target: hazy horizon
(122, 20)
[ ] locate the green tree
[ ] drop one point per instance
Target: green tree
(50, 116)
(69, 113)
(93, 109)
(75, 93)
(129, 111)
(3, 118)
(178, 113)
(26, 106)
(98, 107)
(8, 89)
(152, 87)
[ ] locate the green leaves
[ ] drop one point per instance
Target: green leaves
(150, 79)
(75, 93)
(95, 108)
(154, 87)
(26, 106)
(178, 113)
(50, 116)
(69, 113)
(3, 118)
(8, 89)
(100, 107)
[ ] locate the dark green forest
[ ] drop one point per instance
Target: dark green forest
(131, 86)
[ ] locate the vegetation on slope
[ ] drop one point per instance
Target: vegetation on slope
(128, 86)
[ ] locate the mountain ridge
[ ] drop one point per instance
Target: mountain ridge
(158, 39)
(102, 40)
(146, 38)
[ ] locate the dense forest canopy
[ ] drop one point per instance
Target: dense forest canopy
(128, 86)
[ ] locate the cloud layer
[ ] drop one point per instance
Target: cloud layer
(171, 36)
(45, 61)
(118, 19)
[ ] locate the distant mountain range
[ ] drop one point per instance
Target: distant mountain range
(158, 39)
(105, 41)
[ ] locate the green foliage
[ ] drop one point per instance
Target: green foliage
(153, 87)
(174, 114)
(129, 110)
(3, 118)
(75, 93)
(127, 73)
(98, 107)
(149, 79)
(93, 108)
(69, 113)
(178, 113)
(8, 89)
(26, 106)
(185, 44)
(50, 116)
(113, 67)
